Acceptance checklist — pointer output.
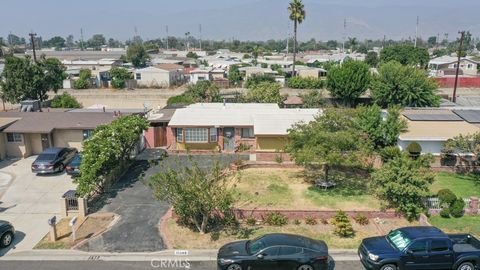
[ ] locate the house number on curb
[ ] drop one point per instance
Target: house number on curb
(181, 252)
(94, 258)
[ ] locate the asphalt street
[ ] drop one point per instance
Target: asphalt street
(100, 265)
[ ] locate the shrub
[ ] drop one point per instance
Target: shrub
(445, 213)
(310, 221)
(305, 83)
(243, 147)
(343, 227)
(324, 221)
(297, 222)
(251, 221)
(65, 100)
(446, 197)
(456, 210)
(390, 152)
(275, 219)
(361, 219)
(257, 79)
(80, 84)
(180, 99)
(279, 158)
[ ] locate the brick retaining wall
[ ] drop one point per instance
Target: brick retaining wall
(301, 214)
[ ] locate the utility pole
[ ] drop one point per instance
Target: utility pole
(81, 39)
(200, 30)
(288, 37)
(438, 40)
(416, 31)
(166, 29)
(32, 40)
(344, 34)
(384, 38)
(459, 54)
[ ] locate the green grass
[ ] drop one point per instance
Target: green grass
(463, 185)
(465, 224)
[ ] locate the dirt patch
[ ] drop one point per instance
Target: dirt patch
(88, 227)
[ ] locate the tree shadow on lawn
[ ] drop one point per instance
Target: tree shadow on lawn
(348, 182)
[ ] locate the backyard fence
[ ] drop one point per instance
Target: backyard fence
(471, 205)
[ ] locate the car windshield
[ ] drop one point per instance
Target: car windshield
(77, 159)
(46, 157)
(398, 239)
(255, 245)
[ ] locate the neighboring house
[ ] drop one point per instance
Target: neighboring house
(160, 76)
(310, 72)
(429, 129)
(255, 71)
(102, 64)
(447, 65)
(260, 128)
(200, 74)
(28, 133)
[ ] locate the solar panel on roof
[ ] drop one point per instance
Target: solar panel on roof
(471, 116)
(432, 117)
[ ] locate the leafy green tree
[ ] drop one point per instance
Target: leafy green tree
(109, 147)
(406, 54)
(352, 44)
(57, 42)
(254, 80)
(192, 55)
(478, 46)
(371, 59)
(264, 92)
(119, 75)
(83, 82)
(65, 100)
(22, 79)
(403, 182)
(333, 139)
(195, 193)
(256, 51)
(313, 99)
(97, 41)
(463, 144)
(432, 41)
(202, 91)
(234, 75)
(305, 83)
(401, 85)
(137, 54)
(347, 82)
(439, 52)
(382, 132)
(297, 14)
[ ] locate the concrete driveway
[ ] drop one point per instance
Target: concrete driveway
(28, 200)
(140, 213)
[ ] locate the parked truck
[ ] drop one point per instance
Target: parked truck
(419, 247)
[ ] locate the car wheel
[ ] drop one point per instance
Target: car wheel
(389, 267)
(305, 267)
(466, 266)
(234, 267)
(7, 239)
(61, 167)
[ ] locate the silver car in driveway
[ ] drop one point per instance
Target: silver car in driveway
(53, 160)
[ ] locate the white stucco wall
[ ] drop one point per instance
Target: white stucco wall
(432, 147)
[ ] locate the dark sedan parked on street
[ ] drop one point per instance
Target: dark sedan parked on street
(274, 251)
(53, 160)
(73, 168)
(7, 233)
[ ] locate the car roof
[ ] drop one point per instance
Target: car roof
(422, 232)
(52, 150)
(283, 239)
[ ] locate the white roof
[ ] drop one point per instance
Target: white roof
(267, 119)
(151, 69)
(280, 123)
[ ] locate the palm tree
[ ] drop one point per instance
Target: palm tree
(297, 15)
(353, 43)
(257, 50)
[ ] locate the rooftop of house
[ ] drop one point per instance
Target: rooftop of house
(447, 59)
(46, 122)
(266, 119)
(170, 66)
(436, 130)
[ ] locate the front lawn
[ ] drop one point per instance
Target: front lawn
(465, 224)
(183, 238)
(463, 185)
(286, 189)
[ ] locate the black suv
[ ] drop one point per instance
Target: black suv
(53, 160)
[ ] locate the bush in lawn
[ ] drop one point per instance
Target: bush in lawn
(456, 210)
(310, 221)
(275, 219)
(390, 152)
(251, 221)
(343, 227)
(445, 213)
(297, 222)
(361, 219)
(446, 197)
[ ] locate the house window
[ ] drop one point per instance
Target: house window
(179, 134)
(247, 133)
(14, 137)
(87, 134)
(213, 135)
(138, 76)
(196, 135)
(469, 66)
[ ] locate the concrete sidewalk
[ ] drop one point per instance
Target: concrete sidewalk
(191, 255)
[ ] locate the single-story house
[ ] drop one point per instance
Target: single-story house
(429, 129)
(227, 127)
(163, 75)
(156, 135)
(200, 74)
(446, 66)
(310, 72)
(28, 133)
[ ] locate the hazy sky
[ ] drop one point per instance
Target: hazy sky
(241, 19)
